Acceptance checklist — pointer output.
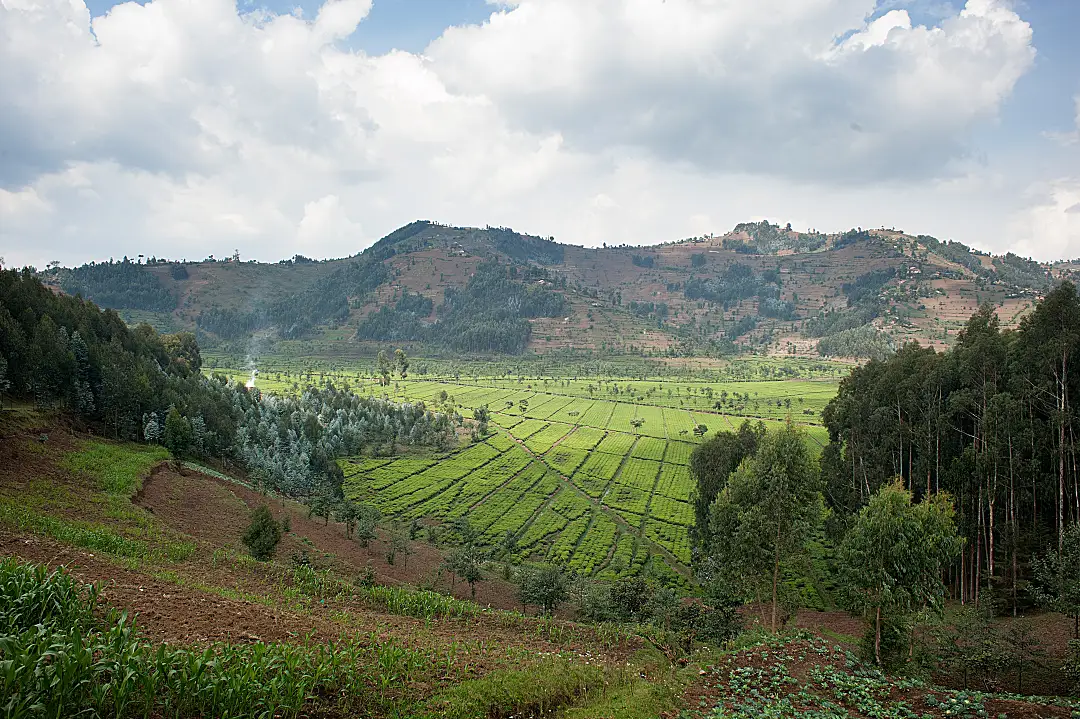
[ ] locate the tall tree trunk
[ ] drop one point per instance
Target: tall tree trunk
(877, 635)
(775, 577)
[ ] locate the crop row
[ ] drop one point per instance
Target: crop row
(652, 421)
(649, 448)
(675, 481)
(640, 474)
(510, 509)
(546, 524)
(568, 538)
(572, 412)
(542, 441)
(570, 504)
(389, 474)
(616, 443)
(585, 438)
(595, 546)
(360, 465)
(672, 537)
(678, 453)
(598, 415)
(601, 466)
(631, 499)
(566, 459)
(476, 485)
(453, 468)
(671, 510)
(528, 428)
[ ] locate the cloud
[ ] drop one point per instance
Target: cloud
(1050, 226)
(764, 87)
(186, 127)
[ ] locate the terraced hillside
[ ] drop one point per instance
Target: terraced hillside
(601, 484)
(856, 293)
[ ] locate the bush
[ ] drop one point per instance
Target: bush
(262, 535)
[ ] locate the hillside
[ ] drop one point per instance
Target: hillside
(438, 289)
(330, 628)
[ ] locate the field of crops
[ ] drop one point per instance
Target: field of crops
(593, 473)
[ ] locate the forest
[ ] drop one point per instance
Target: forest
(135, 384)
(992, 422)
(490, 314)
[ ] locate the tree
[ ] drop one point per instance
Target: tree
(482, 417)
(382, 363)
(5, 382)
(1057, 577)
(347, 513)
(177, 436)
(467, 562)
(262, 535)
(765, 513)
(892, 558)
(712, 462)
(321, 506)
(367, 519)
(545, 586)
(152, 429)
(402, 363)
(399, 544)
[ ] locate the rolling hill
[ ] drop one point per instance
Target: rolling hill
(440, 289)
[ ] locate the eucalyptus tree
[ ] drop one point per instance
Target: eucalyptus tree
(891, 560)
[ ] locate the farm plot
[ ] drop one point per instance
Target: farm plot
(678, 453)
(528, 428)
(584, 438)
(510, 509)
(572, 412)
(355, 466)
(598, 415)
(616, 443)
(680, 424)
(671, 510)
(549, 410)
(475, 486)
(566, 459)
(542, 441)
(622, 558)
(566, 543)
(675, 481)
(570, 504)
(627, 498)
(671, 537)
(652, 419)
(500, 442)
(640, 474)
(423, 485)
(386, 475)
(542, 404)
(621, 416)
(649, 448)
(505, 421)
(593, 549)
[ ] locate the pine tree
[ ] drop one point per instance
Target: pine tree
(262, 535)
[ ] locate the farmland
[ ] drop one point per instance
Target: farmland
(593, 474)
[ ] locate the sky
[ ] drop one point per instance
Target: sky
(188, 128)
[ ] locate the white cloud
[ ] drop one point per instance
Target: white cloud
(762, 87)
(184, 127)
(1050, 227)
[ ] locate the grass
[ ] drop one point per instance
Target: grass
(90, 535)
(118, 467)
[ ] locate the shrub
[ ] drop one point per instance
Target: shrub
(262, 535)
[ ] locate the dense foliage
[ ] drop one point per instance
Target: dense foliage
(992, 421)
(139, 385)
(120, 285)
(490, 314)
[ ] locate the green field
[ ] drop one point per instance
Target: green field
(593, 473)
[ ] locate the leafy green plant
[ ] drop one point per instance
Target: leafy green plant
(262, 535)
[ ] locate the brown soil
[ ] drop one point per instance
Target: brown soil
(215, 512)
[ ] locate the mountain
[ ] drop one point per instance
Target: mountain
(448, 289)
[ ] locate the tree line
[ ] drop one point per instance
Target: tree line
(134, 384)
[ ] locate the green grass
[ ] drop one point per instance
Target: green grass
(118, 467)
(89, 535)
